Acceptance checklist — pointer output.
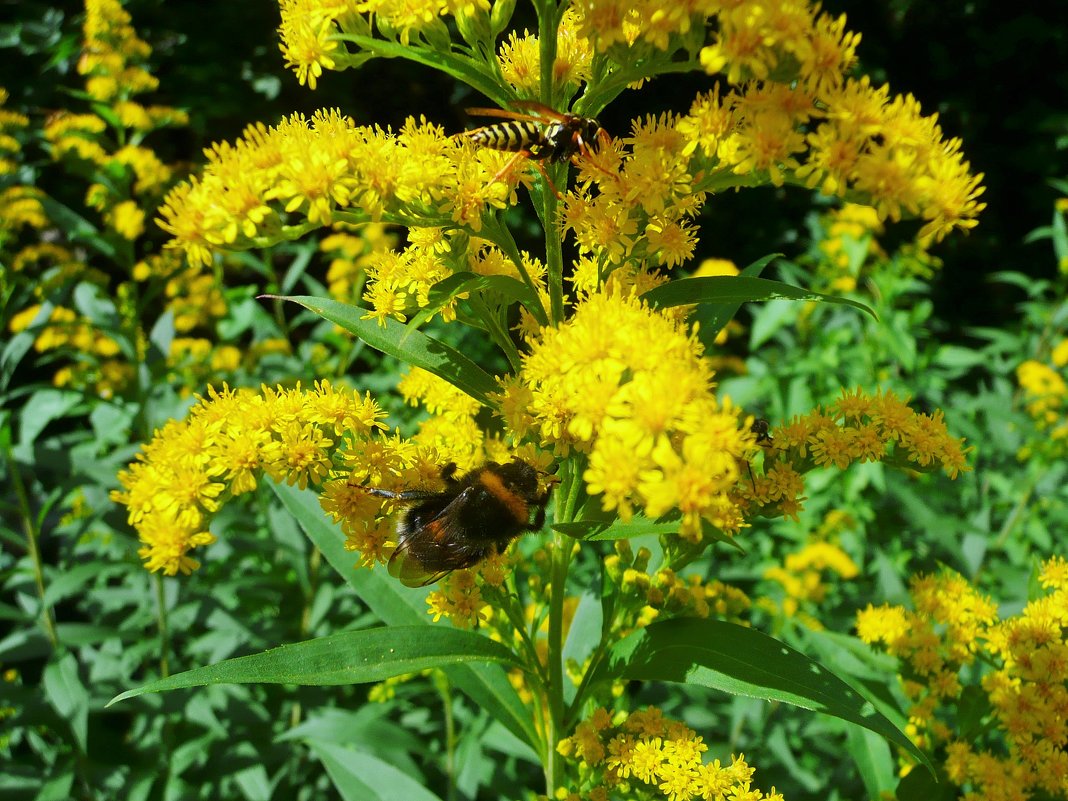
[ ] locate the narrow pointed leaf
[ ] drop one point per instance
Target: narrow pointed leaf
(743, 661)
(485, 683)
(351, 657)
(360, 776)
(724, 289)
(713, 317)
(413, 347)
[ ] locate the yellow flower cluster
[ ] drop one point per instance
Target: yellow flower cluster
(351, 255)
(644, 201)
(221, 449)
(112, 53)
(93, 364)
(1026, 682)
(113, 59)
(10, 148)
(1046, 400)
(651, 755)
(628, 386)
(856, 428)
(309, 29)
(20, 206)
(810, 127)
(279, 183)
(659, 23)
(801, 577)
(519, 59)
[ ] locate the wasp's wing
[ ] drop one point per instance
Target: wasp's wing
(425, 553)
(540, 110)
(536, 112)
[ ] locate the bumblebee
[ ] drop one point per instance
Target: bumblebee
(475, 516)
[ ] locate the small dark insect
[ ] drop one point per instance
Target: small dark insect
(539, 134)
(475, 516)
(762, 429)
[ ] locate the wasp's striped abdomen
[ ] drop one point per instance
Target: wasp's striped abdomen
(512, 136)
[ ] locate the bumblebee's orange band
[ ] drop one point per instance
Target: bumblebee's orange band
(516, 505)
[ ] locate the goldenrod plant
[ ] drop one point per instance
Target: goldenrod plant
(481, 444)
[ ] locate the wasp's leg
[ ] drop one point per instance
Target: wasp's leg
(548, 181)
(509, 165)
(526, 154)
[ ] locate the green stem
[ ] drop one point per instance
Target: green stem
(548, 23)
(33, 534)
(498, 331)
(441, 682)
(162, 627)
(498, 233)
(561, 557)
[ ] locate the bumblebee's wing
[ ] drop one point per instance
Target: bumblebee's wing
(423, 554)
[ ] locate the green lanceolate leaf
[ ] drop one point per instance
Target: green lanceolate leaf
(78, 227)
(743, 661)
(485, 683)
(713, 317)
(359, 776)
(351, 657)
(736, 289)
(413, 347)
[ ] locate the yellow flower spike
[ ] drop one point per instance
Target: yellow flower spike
(1021, 658)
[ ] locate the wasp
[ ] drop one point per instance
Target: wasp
(538, 133)
(475, 516)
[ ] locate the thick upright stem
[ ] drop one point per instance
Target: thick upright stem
(561, 558)
(29, 527)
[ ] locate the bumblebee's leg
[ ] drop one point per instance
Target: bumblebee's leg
(448, 473)
(408, 495)
(539, 516)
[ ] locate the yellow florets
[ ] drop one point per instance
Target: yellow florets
(1023, 673)
(228, 441)
(664, 757)
(629, 387)
(311, 172)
